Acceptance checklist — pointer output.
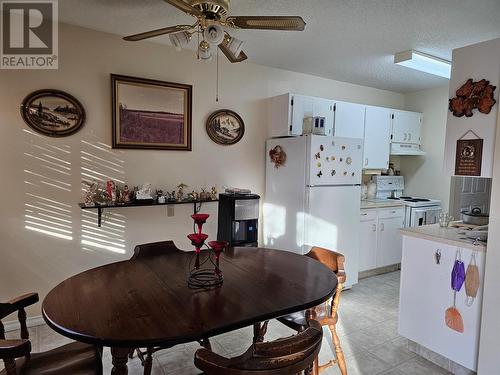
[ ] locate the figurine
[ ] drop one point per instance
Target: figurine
(111, 191)
(180, 192)
(171, 196)
(213, 194)
(89, 196)
(204, 195)
(126, 194)
(195, 195)
(144, 193)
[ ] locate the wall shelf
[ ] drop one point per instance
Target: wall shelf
(100, 208)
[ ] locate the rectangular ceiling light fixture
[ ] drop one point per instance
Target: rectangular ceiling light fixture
(424, 62)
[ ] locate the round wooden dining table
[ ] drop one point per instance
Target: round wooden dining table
(147, 302)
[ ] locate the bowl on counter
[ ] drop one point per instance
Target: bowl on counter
(475, 217)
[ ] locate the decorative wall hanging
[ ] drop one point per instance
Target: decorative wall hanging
(53, 112)
(150, 114)
(473, 95)
(225, 127)
(277, 156)
(469, 156)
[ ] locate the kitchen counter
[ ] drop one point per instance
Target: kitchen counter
(380, 203)
(450, 236)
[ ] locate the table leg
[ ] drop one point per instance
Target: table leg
(120, 359)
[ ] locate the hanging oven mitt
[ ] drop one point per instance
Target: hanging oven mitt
(471, 281)
(453, 318)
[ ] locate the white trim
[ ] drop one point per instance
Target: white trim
(33, 321)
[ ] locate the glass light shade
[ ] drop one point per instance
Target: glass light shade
(180, 40)
(214, 34)
(424, 63)
(204, 50)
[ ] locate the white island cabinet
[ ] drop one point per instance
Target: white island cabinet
(426, 294)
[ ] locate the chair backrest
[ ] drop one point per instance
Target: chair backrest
(154, 249)
(280, 357)
(333, 260)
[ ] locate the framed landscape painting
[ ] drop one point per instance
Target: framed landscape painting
(149, 114)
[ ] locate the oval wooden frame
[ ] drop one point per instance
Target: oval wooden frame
(214, 137)
(58, 94)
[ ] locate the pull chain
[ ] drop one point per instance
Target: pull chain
(217, 84)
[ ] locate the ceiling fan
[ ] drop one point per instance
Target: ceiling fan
(212, 16)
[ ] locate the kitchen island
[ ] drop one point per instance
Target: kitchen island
(429, 253)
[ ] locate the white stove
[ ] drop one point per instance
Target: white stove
(418, 211)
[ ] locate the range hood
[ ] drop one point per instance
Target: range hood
(406, 149)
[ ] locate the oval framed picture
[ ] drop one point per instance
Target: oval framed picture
(225, 127)
(53, 112)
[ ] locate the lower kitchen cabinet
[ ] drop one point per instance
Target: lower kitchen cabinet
(426, 294)
(380, 240)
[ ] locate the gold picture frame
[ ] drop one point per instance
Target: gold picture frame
(151, 115)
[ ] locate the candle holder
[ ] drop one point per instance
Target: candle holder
(204, 272)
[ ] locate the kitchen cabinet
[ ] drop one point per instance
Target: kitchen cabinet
(380, 238)
(301, 107)
(368, 240)
(425, 295)
(377, 138)
(406, 127)
(349, 120)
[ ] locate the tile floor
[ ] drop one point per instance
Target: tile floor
(367, 328)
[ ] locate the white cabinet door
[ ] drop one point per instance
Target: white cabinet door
(377, 145)
(406, 127)
(324, 108)
(368, 240)
(302, 107)
(349, 120)
(389, 240)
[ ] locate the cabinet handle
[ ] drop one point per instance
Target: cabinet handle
(409, 136)
(406, 136)
(366, 161)
(382, 227)
(374, 227)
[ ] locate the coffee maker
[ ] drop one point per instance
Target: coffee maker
(238, 219)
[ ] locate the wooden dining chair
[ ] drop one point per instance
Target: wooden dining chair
(286, 356)
(326, 313)
(75, 358)
(150, 250)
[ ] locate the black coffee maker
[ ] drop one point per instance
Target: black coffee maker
(238, 219)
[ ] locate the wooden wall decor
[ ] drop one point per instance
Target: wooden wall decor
(473, 95)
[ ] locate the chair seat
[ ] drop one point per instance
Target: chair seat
(75, 359)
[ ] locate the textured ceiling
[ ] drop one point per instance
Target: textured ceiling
(346, 40)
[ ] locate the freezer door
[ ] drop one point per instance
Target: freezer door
(334, 160)
(332, 222)
(284, 202)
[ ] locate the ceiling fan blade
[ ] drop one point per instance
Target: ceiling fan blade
(287, 23)
(186, 8)
(224, 47)
(158, 32)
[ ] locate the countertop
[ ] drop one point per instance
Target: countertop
(450, 236)
(380, 203)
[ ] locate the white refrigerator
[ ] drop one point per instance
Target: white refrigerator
(313, 198)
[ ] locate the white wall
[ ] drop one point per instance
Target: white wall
(424, 174)
(489, 346)
(40, 173)
(477, 62)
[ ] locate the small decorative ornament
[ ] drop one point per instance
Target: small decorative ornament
(225, 127)
(179, 196)
(213, 193)
(277, 156)
(473, 95)
(53, 112)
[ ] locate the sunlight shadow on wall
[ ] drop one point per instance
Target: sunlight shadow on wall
(99, 162)
(47, 185)
(275, 223)
(315, 235)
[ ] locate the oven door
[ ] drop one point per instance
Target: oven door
(432, 215)
(424, 216)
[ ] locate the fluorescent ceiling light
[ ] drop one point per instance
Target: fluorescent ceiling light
(424, 63)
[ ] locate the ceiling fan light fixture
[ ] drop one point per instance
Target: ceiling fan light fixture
(214, 34)
(234, 45)
(204, 52)
(180, 40)
(424, 63)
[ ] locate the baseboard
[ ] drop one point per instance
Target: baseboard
(378, 271)
(33, 321)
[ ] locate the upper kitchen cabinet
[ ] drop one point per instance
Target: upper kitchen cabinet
(286, 114)
(349, 120)
(406, 133)
(377, 138)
